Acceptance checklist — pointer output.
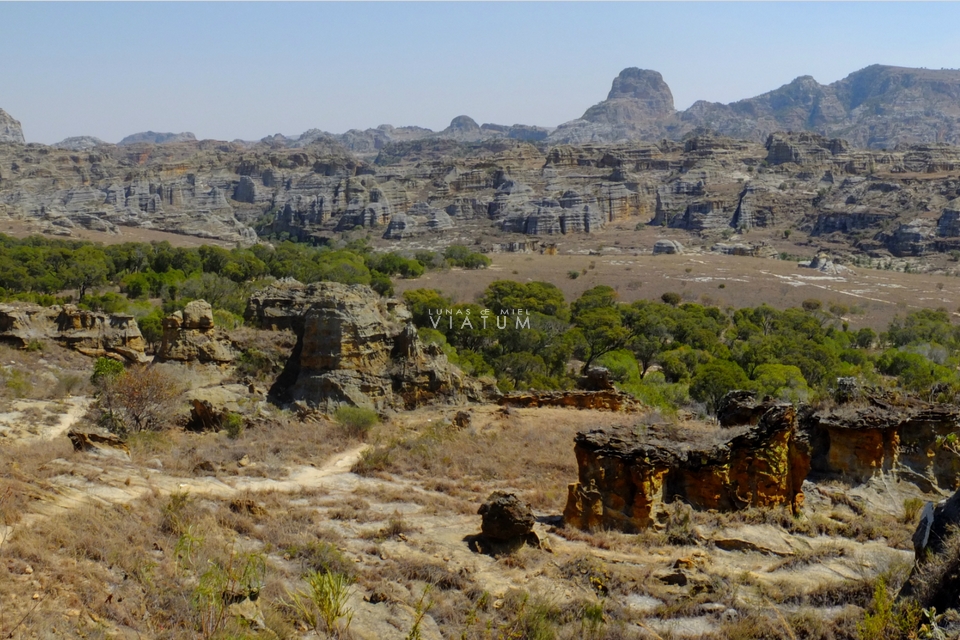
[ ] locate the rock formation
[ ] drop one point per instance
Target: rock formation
(190, 336)
(506, 525)
(628, 476)
(424, 188)
(606, 400)
(10, 129)
(356, 348)
(80, 143)
(887, 433)
(91, 333)
(935, 579)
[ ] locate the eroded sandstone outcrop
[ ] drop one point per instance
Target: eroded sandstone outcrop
(191, 335)
(356, 348)
(91, 333)
(627, 475)
(887, 433)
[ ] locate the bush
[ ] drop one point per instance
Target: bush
(137, 399)
(671, 298)
(233, 423)
(324, 603)
(356, 421)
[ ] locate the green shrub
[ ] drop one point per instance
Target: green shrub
(356, 421)
(324, 604)
(233, 423)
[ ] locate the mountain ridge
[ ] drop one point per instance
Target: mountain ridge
(878, 107)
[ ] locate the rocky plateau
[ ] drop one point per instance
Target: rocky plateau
(864, 171)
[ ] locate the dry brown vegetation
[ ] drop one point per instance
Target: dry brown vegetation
(162, 544)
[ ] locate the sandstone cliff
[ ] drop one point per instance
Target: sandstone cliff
(356, 348)
(627, 475)
(91, 333)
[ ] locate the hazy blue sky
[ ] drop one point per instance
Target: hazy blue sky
(246, 70)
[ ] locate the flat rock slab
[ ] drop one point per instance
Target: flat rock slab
(759, 538)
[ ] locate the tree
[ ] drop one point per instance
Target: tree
(599, 325)
(715, 379)
(86, 268)
(671, 298)
(781, 381)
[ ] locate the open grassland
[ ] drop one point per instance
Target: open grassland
(874, 297)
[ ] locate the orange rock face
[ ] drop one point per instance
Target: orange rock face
(627, 477)
(887, 434)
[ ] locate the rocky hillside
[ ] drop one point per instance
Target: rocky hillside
(10, 130)
(506, 194)
(878, 107)
(498, 186)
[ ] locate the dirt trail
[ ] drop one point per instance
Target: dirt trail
(124, 483)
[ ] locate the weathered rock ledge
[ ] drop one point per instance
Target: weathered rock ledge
(627, 475)
(607, 400)
(887, 433)
(94, 334)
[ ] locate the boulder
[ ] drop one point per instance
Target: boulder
(935, 579)
(505, 516)
(190, 336)
(98, 444)
(668, 247)
(506, 525)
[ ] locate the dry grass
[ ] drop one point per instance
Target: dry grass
(50, 373)
(748, 281)
(518, 453)
(267, 447)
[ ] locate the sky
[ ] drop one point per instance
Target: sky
(227, 70)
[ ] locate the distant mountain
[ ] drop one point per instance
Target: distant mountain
(876, 107)
(10, 129)
(80, 143)
(151, 137)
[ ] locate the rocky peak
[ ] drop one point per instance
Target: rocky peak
(464, 129)
(10, 129)
(640, 84)
(80, 143)
(636, 95)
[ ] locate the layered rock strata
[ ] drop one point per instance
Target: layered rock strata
(94, 334)
(627, 477)
(356, 348)
(887, 433)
